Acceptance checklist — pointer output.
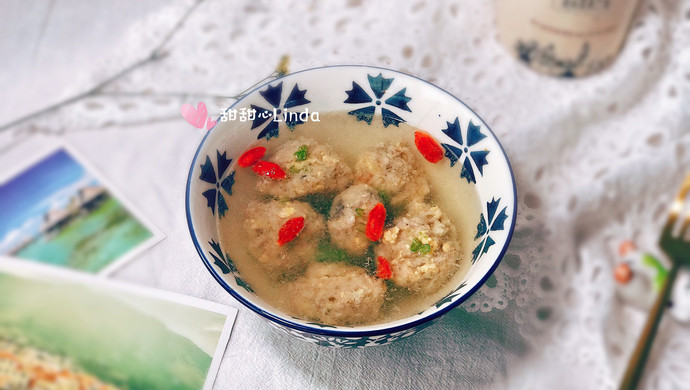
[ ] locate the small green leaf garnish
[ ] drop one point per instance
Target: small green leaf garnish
(293, 169)
(418, 247)
(414, 247)
(359, 212)
(302, 153)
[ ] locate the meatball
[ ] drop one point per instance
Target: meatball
(348, 218)
(310, 167)
(394, 170)
(337, 294)
(262, 223)
(422, 248)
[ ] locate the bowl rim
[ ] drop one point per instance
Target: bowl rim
(340, 332)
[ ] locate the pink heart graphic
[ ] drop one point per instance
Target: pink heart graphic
(196, 118)
(210, 124)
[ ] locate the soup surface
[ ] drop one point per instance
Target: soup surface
(309, 245)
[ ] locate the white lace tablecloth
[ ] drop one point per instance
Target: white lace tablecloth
(596, 161)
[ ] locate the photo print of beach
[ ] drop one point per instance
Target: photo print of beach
(57, 211)
(61, 329)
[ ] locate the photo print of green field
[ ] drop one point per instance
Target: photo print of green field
(68, 330)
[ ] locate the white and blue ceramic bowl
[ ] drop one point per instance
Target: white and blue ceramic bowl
(368, 94)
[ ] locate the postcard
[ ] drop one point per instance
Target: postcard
(57, 210)
(65, 329)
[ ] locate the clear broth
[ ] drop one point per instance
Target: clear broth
(457, 199)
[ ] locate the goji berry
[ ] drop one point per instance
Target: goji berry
(290, 229)
(251, 156)
(428, 147)
(383, 270)
(268, 169)
(375, 222)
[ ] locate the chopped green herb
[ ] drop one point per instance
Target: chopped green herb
(391, 211)
(391, 286)
(394, 293)
(320, 202)
(328, 253)
(368, 261)
(287, 277)
(302, 153)
(359, 212)
(384, 196)
(293, 169)
(414, 247)
(418, 247)
(426, 248)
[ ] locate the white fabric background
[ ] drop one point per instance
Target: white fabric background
(596, 160)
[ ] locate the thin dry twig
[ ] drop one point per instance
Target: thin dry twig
(156, 54)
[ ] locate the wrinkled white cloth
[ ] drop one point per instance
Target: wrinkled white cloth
(596, 161)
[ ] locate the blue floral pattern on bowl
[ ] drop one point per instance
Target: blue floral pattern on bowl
(467, 152)
(226, 265)
(273, 96)
(214, 196)
(354, 342)
(371, 94)
(492, 223)
(379, 86)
